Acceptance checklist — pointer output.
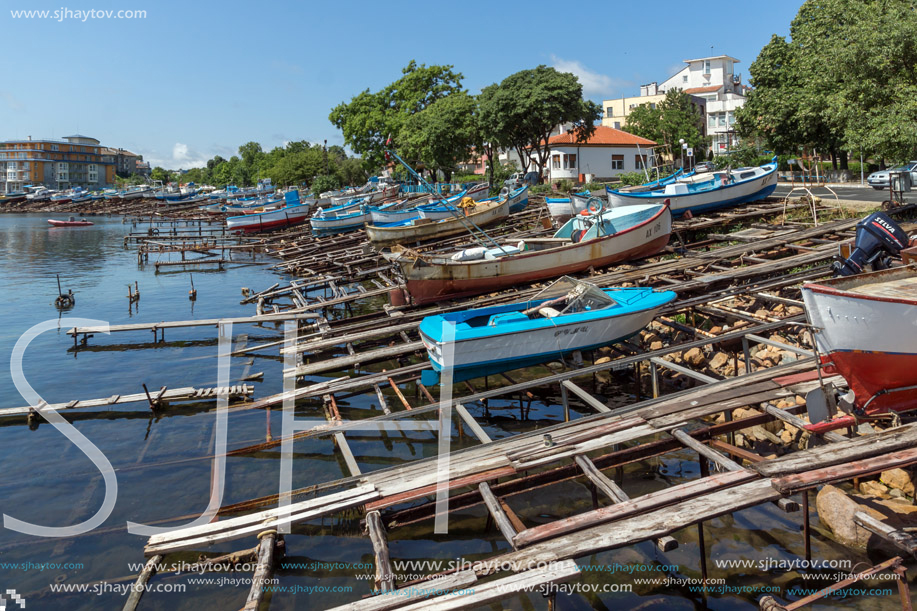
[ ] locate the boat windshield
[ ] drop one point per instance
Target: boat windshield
(575, 296)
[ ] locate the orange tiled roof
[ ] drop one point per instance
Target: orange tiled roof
(709, 89)
(603, 136)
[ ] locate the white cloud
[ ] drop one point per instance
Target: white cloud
(182, 157)
(594, 84)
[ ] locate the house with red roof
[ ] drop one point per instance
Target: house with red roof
(606, 154)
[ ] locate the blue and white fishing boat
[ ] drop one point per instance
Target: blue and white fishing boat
(567, 316)
(381, 215)
(707, 191)
(563, 208)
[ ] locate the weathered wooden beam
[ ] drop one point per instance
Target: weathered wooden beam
(385, 578)
(496, 511)
(263, 570)
(688, 441)
(799, 423)
(149, 569)
(408, 595)
(585, 396)
(899, 538)
(350, 360)
(795, 482)
(482, 436)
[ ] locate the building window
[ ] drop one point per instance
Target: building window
(731, 118)
(631, 107)
(570, 162)
(721, 119)
(684, 78)
(640, 162)
(55, 147)
(617, 125)
(617, 162)
(653, 105)
(609, 112)
(706, 66)
(711, 120)
(555, 162)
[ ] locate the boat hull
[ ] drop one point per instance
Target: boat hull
(55, 223)
(284, 217)
(727, 195)
(409, 234)
(870, 340)
(429, 282)
(479, 356)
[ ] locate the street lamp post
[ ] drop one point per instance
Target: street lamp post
(684, 146)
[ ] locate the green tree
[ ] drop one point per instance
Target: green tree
(673, 119)
(159, 173)
(370, 118)
(443, 134)
(526, 106)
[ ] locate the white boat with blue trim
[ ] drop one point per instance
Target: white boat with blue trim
(707, 191)
(567, 316)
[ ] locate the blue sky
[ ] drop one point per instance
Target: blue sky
(195, 79)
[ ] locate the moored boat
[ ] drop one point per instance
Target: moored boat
(584, 241)
(293, 213)
(421, 229)
(72, 222)
(708, 191)
(567, 316)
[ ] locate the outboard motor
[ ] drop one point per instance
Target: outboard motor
(878, 238)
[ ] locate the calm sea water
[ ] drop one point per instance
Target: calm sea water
(163, 467)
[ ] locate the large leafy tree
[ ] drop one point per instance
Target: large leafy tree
(850, 70)
(443, 134)
(370, 118)
(674, 118)
(525, 107)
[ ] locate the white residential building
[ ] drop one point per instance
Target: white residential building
(606, 154)
(714, 79)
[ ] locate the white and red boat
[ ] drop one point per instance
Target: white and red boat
(72, 222)
(866, 331)
(611, 236)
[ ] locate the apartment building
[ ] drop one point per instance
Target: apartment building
(74, 161)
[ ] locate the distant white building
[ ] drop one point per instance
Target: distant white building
(714, 79)
(715, 89)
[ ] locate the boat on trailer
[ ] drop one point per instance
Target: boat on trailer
(599, 240)
(568, 316)
(707, 191)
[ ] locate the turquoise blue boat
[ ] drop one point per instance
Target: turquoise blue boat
(568, 316)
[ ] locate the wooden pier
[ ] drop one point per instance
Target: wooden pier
(722, 278)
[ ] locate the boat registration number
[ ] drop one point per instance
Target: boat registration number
(655, 229)
(570, 331)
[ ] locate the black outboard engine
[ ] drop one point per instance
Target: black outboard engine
(878, 238)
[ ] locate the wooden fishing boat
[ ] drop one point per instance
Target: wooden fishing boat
(867, 332)
(707, 191)
(71, 222)
(611, 194)
(584, 241)
(518, 199)
(569, 315)
(441, 209)
(562, 208)
(420, 229)
(293, 213)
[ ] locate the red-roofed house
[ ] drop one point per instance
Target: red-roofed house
(607, 153)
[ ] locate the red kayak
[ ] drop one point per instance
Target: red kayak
(71, 223)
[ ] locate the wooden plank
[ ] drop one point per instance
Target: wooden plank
(607, 486)
(263, 570)
(281, 519)
(208, 322)
(344, 362)
(496, 511)
(900, 538)
(799, 423)
(701, 377)
(322, 344)
(554, 454)
(408, 595)
(789, 484)
(382, 402)
(472, 423)
(507, 587)
(349, 459)
(385, 578)
(634, 507)
(137, 591)
(887, 441)
(688, 441)
(261, 516)
(636, 528)
(586, 397)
